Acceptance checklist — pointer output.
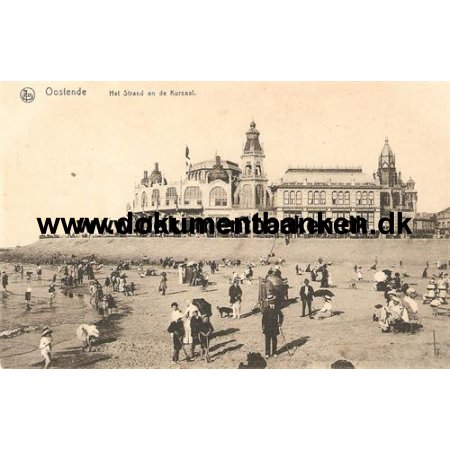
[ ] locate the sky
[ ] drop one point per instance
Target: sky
(108, 141)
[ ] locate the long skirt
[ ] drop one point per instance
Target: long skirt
(187, 332)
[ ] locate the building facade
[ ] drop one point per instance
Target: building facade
(443, 222)
(223, 188)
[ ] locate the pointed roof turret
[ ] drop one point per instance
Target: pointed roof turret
(252, 145)
(387, 157)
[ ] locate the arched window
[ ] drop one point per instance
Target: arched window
(258, 170)
(192, 196)
(155, 197)
(218, 196)
(347, 198)
(144, 202)
(323, 198)
(310, 198)
(298, 198)
(246, 196)
(292, 198)
(370, 197)
(364, 198)
(358, 197)
(316, 198)
(259, 195)
(286, 198)
(340, 198)
(334, 197)
(248, 169)
(171, 196)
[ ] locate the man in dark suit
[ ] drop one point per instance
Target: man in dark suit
(306, 296)
(235, 293)
(272, 319)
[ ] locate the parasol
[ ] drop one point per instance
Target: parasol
(191, 263)
(322, 293)
(387, 272)
(203, 306)
(379, 277)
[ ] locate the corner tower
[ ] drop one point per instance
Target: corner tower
(253, 192)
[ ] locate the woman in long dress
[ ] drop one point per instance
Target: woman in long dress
(190, 308)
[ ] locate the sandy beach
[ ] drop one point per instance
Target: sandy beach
(136, 335)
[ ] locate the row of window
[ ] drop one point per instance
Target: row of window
(192, 196)
(320, 198)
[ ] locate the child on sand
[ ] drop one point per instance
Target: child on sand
(204, 334)
(45, 346)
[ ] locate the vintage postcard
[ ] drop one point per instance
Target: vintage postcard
(265, 225)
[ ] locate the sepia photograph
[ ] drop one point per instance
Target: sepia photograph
(225, 225)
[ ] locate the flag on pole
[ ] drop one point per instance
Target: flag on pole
(188, 160)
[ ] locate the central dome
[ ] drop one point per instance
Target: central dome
(218, 172)
(156, 176)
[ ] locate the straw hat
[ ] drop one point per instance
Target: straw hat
(46, 331)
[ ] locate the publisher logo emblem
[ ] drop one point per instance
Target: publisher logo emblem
(27, 95)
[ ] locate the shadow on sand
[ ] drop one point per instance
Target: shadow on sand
(295, 344)
(221, 344)
(225, 332)
(226, 350)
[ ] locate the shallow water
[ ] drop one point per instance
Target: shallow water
(20, 327)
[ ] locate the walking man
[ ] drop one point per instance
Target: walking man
(272, 319)
(306, 296)
(235, 293)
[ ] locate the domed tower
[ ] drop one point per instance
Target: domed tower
(155, 176)
(410, 195)
(218, 172)
(387, 173)
(253, 180)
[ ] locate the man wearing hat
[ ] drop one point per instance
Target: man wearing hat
(272, 319)
(45, 345)
(235, 293)
(306, 296)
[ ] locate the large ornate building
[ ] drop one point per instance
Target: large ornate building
(222, 188)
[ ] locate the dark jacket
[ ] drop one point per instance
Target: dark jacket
(205, 331)
(304, 297)
(235, 293)
(196, 323)
(272, 319)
